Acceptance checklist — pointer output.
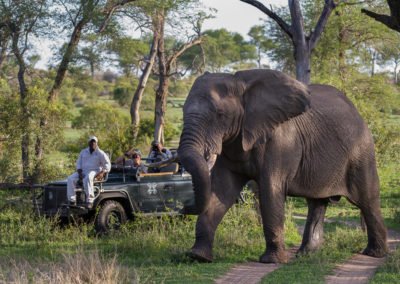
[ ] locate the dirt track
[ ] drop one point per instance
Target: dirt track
(357, 270)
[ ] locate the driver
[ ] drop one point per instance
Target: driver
(92, 164)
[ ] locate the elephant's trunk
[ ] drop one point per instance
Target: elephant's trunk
(191, 156)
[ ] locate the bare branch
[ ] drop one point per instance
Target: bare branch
(282, 24)
(73, 21)
(323, 19)
(392, 21)
(182, 49)
(384, 19)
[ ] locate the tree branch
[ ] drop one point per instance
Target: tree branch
(282, 24)
(183, 48)
(384, 19)
(109, 11)
(73, 21)
(323, 19)
(392, 21)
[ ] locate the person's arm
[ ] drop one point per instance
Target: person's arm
(105, 166)
(79, 165)
(107, 163)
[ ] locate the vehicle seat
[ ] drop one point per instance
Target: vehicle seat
(173, 167)
(104, 179)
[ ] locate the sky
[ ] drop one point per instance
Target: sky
(237, 16)
(233, 15)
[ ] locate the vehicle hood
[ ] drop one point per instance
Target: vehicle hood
(58, 182)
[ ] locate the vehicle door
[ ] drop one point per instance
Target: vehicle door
(157, 193)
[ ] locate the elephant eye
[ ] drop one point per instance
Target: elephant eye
(220, 112)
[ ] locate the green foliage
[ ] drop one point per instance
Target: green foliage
(146, 129)
(222, 48)
(390, 271)
(124, 90)
(130, 53)
(108, 123)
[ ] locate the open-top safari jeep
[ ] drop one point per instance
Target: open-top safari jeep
(122, 194)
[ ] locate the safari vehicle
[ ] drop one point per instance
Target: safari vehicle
(123, 193)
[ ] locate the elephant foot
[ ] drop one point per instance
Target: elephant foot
(375, 251)
(274, 257)
(200, 255)
(306, 249)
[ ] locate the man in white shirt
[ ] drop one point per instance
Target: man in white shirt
(92, 163)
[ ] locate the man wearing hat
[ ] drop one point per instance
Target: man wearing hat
(92, 163)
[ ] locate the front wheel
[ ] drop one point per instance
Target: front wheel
(110, 217)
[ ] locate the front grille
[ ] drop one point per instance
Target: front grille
(54, 198)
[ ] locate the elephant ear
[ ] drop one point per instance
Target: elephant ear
(270, 98)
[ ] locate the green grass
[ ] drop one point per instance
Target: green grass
(390, 271)
(154, 247)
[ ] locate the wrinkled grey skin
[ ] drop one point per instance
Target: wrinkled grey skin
(292, 140)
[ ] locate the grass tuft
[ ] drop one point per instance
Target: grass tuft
(77, 268)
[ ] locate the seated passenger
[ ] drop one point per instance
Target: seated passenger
(137, 163)
(158, 152)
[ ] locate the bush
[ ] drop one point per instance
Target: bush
(124, 90)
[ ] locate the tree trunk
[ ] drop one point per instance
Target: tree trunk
(303, 59)
(162, 90)
(137, 97)
(342, 52)
(3, 52)
(23, 103)
(161, 99)
(373, 63)
(303, 44)
(92, 69)
(62, 69)
(395, 72)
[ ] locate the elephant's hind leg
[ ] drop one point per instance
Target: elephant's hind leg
(364, 189)
(225, 190)
(313, 235)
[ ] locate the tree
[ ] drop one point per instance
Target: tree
(21, 20)
(79, 14)
(158, 15)
(222, 49)
(303, 44)
(390, 54)
(392, 21)
(260, 41)
(130, 53)
(152, 17)
(178, 11)
(91, 53)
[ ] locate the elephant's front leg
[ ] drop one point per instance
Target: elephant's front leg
(272, 205)
(226, 187)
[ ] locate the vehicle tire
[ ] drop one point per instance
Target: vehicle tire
(110, 217)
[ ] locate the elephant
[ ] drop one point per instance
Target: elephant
(293, 140)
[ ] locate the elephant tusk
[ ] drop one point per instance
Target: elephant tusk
(211, 162)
